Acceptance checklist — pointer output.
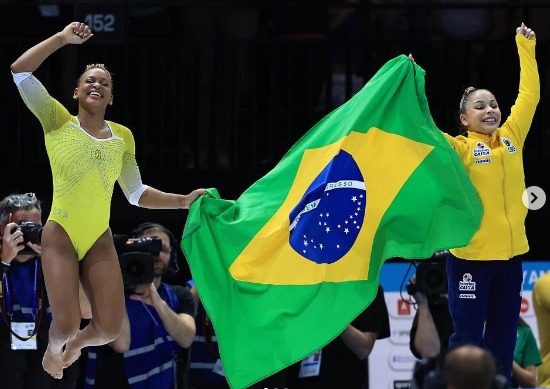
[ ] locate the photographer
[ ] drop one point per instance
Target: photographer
(24, 305)
(432, 325)
(346, 353)
(159, 323)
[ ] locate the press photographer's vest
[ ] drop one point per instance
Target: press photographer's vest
(21, 281)
(150, 362)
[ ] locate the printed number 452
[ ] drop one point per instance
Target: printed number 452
(101, 22)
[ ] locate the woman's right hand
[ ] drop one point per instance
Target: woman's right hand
(75, 33)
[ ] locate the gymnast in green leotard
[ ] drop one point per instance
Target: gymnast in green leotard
(87, 155)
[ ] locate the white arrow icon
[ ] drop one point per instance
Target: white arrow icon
(533, 198)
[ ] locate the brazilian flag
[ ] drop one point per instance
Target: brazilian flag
(287, 266)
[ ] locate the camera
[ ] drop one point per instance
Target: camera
(136, 257)
(431, 277)
(32, 233)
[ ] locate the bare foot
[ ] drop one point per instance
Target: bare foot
(53, 363)
(71, 353)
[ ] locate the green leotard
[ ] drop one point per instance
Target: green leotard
(84, 168)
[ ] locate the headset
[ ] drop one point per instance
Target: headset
(138, 232)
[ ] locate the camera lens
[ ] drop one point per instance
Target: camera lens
(137, 268)
(431, 278)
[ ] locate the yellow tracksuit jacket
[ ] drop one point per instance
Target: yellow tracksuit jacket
(495, 165)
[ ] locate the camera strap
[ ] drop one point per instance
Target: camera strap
(37, 301)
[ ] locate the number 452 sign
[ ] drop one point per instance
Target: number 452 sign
(105, 20)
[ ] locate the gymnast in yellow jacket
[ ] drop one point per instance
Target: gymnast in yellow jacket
(87, 155)
(485, 277)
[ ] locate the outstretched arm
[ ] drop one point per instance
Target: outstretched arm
(522, 112)
(75, 33)
(143, 195)
(156, 199)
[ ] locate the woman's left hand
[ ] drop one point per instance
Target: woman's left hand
(191, 197)
(526, 31)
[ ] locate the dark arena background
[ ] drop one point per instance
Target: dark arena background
(216, 92)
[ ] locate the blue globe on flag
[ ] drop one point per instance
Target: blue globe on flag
(326, 222)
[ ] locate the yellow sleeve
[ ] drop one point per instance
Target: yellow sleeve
(128, 140)
(459, 145)
(523, 110)
(130, 176)
(50, 112)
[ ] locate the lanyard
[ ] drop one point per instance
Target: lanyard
(149, 311)
(9, 303)
(150, 314)
(7, 312)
